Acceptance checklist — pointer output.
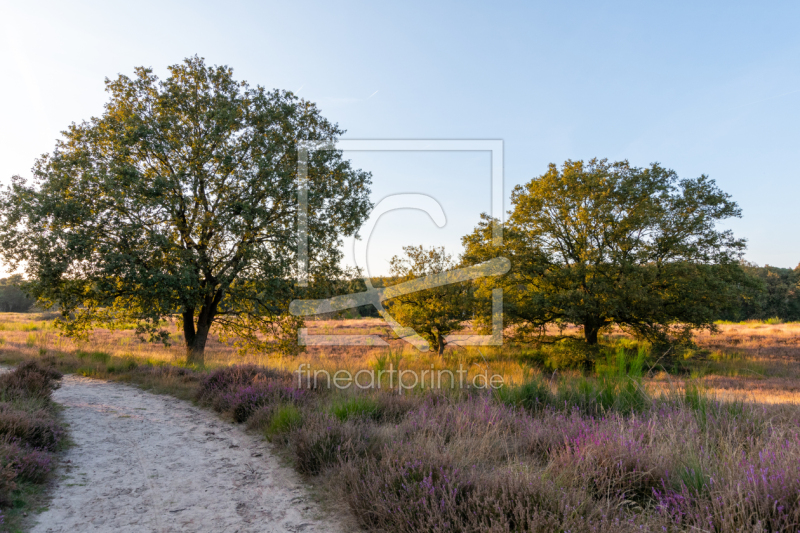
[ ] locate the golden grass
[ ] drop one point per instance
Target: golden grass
(754, 361)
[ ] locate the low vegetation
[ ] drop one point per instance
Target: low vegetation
(582, 454)
(625, 447)
(30, 434)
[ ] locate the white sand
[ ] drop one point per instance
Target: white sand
(144, 462)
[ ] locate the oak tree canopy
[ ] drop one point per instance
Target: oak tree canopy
(182, 197)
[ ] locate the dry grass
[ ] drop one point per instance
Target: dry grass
(754, 361)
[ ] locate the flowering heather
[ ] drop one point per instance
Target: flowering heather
(29, 429)
(532, 460)
(245, 400)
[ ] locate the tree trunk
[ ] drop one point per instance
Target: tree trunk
(591, 328)
(196, 337)
(195, 341)
(440, 341)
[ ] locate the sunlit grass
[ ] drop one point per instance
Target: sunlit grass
(754, 358)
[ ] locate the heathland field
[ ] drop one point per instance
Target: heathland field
(706, 439)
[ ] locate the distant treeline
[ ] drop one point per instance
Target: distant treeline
(776, 295)
(12, 299)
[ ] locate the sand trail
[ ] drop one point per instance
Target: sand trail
(150, 463)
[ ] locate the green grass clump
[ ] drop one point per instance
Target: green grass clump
(98, 357)
(285, 418)
(355, 407)
(533, 395)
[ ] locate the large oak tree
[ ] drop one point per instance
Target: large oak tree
(183, 198)
(599, 244)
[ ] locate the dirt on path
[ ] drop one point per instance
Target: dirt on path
(150, 463)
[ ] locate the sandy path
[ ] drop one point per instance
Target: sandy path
(145, 462)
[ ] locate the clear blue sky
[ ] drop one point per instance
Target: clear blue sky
(708, 88)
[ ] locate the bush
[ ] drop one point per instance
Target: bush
(29, 430)
(36, 429)
(410, 489)
(29, 379)
(244, 401)
(323, 441)
(8, 475)
(29, 464)
(230, 378)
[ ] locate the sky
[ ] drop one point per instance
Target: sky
(700, 87)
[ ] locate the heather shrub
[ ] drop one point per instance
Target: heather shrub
(245, 400)
(29, 379)
(29, 429)
(28, 464)
(542, 437)
(392, 407)
(36, 429)
(578, 454)
(612, 459)
(231, 377)
(759, 491)
(323, 441)
(8, 475)
(411, 489)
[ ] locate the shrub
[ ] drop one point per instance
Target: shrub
(29, 430)
(610, 462)
(35, 429)
(29, 464)
(323, 441)
(8, 475)
(410, 489)
(29, 379)
(247, 400)
(230, 378)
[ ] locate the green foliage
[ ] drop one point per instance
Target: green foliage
(12, 298)
(773, 295)
(532, 395)
(354, 407)
(285, 418)
(598, 244)
(435, 311)
(182, 198)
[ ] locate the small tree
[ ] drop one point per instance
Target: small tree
(183, 198)
(435, 312)
(599, 244)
